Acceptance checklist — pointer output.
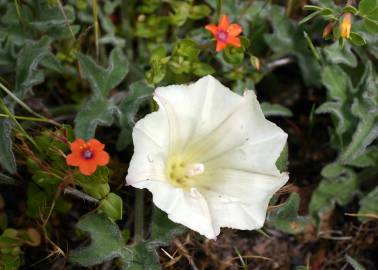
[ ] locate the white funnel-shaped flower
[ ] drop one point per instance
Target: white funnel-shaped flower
(208, 156)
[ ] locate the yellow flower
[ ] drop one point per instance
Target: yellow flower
(345, 26)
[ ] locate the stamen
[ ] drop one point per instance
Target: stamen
(222, 36)
(87, 154)
(194, 169)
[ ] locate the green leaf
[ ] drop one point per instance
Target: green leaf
(332, 170)
(367, 6)
(365, 133)
(312, 8)
(28, 59)
(96, 184)
(357, 39)
(36, 199)
(139, 92)
(199, 11)
(282, 161)
(338, 110)
(340, 55)
(270, 109)
(336, 81)
(355, 264)
(368, 159)
(286, 219)
(310, 16)
(202, 69)
(7, 160)
(350, 9)
(51, 18)
(370, 25)
(106, 242)
(111, 205)
(144, 258)
(103, 80)
(369, 206)
(324, 199)
(163, 230)
(96, 111)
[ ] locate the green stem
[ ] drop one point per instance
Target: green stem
(139, 215)
(28, 118)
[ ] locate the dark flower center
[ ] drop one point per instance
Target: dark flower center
(87, 154)
(222, 35)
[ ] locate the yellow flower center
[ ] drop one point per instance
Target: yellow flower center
(181, 173)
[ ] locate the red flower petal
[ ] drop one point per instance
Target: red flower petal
(234, 41)
(77, 145)
(88, 167)
(212, 28)
(220, 46)
(223, 23)
(74, 159)
(102, 158)
(95, 144)
(234, 29)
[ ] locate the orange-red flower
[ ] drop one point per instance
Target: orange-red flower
(327, 30)
(225, 33)
(346, 24)
(87, 155)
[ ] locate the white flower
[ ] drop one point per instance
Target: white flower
(208, 157)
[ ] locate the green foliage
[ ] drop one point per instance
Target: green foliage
(163, 229)
(139, 92)
(342, 181)
(106, 242)
(96, 111)
(275, 110)
(47, 54)
(103, 80)
(369, 206)
(285, 218)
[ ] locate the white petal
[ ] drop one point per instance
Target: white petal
(240, 200)
(259, 157)
(240, 185)
(150, 138)
(244, 127)
(187, 207)
(197, 108)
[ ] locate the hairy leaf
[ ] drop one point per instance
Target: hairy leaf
(96, 111)
(103, 80)
(285, 218)
(106, 242)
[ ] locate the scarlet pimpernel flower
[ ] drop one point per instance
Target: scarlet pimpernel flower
(208, 157)
(225, 33)
(87, 155)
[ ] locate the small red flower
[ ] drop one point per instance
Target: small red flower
(225, 33)
(87, 155)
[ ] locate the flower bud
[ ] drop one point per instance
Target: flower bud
(346, 24)
(327, 30)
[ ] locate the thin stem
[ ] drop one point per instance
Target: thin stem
(96, 28)
(139, 215)
(28, 118)
(26, 107)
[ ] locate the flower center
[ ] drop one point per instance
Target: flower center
(182, 174)
(87, 153)
(222, 35)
